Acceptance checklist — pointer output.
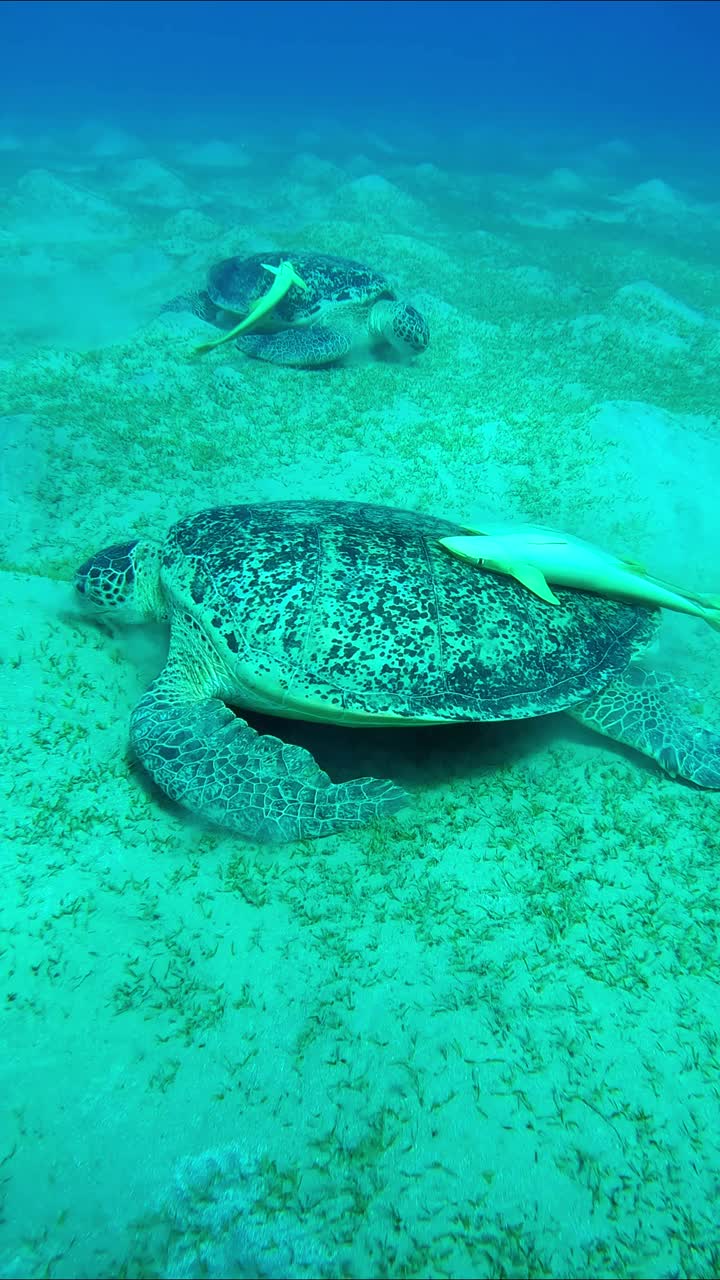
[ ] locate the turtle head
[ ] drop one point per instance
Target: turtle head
(126, 575)
(401, 325)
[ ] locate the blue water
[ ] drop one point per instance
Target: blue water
(479, 1037)
(646, 66)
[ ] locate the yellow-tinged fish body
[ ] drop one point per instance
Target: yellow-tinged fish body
(285, 276)
(537, 556)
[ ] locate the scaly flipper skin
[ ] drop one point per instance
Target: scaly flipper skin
(214, 764)
(643, 709)
(298, 348)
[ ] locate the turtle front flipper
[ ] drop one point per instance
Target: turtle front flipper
(298, 348)
(646, 710)
(215, 765)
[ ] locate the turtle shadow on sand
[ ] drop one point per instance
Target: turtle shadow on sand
(433, 755)
(427, 756)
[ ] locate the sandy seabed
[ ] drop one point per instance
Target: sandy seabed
(477, 1040)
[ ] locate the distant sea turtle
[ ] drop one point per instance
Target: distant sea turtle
(335, 304)
(354, 614)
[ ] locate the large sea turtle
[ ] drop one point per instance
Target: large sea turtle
(334, 305)
(353, 614)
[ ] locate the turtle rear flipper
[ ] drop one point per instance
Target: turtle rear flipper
(645, 710)
(301, 348)
(213, 763)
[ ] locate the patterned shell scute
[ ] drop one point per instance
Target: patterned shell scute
(236, 283)
(358, 607)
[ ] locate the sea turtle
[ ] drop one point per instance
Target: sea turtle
(354, 614)
(334, 305)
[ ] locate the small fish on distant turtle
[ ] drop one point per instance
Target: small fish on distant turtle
(303, 309)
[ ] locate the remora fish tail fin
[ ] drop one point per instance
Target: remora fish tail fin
(711, 605)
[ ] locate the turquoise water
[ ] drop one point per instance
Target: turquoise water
(478, 1038)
